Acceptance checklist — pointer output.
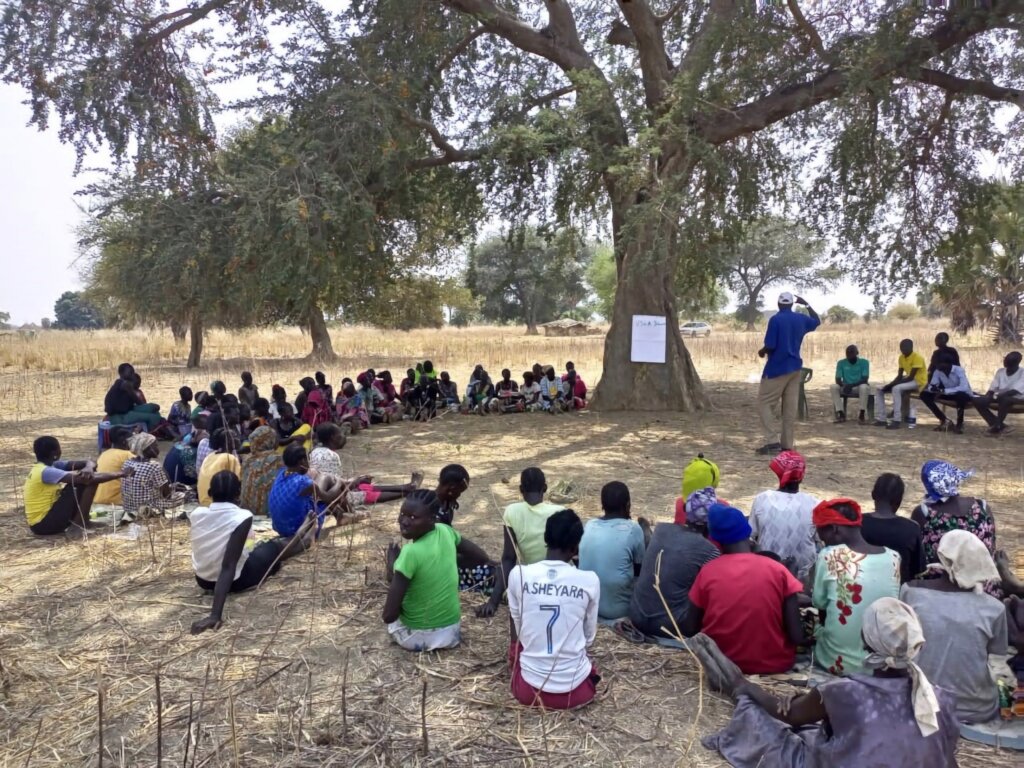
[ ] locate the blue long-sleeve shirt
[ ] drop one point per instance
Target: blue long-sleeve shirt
(953, 382)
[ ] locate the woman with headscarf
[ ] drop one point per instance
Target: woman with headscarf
(963, 624)
(944, 509)
(780, 520)
(259, 470)
(145, 489)
(849, 575)
(892, 718)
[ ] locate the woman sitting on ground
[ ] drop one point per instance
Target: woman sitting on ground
(349, 408)
(390, 400)
(372, 398)
(123, 405)
(448, 390)
(111, 462)
(259, 470)
(180, 461)
(290, 430)
(51, 508)
(893, 718)
(146, 490)
(278, 397)
(613, 547)
(944, 509)
(224, 444)
(849, 576)
(506, 395)
(530, 392)
(887, 529)
(553, 606)
(324, 460)
(223, 555)
(323, 386)
(179, 418)
(781, 519)
(963, 625)
(673, 558)
(296, 493)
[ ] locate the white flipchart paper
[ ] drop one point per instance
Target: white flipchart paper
(649, 339)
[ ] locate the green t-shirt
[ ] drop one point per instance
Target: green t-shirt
(432, 600)
(853, 373)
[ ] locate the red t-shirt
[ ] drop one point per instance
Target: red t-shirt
(741, 596)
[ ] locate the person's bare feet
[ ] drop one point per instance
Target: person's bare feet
(417, 480)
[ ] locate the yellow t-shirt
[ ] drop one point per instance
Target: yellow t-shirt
(39, 496)
(915, 360)
(212, 464)
(111, 460)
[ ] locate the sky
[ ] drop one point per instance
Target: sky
(39, 213)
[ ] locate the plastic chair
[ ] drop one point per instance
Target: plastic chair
(802, 411)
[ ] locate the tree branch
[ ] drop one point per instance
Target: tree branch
(458, 49)
(809, 31)
(186, 17)
(954, 84)
(547, 98)
(549, 43)
(450, 154)
(722, 125)
(655, 66)
(668, 15)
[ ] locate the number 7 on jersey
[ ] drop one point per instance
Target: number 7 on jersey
(556, 611)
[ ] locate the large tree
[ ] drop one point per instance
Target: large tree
(678, 118)
(772, 251)
(74, 311)
(526, 277)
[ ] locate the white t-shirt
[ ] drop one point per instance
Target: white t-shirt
(211, 528)
(781, 522)
(554, 607)
(530, 391)
(1004, 382)
(325, 461)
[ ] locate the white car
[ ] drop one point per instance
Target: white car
(695, 329)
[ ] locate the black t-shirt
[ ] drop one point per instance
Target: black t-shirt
(119, 399)
(900, 535)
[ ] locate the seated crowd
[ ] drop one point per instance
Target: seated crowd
(899, 614)
(942, 382)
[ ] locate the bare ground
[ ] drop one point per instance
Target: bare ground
(302, 673)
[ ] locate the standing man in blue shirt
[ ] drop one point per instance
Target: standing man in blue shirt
(780, 381)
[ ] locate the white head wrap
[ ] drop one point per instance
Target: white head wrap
(893, 633)
(138, 443)
(965, 559)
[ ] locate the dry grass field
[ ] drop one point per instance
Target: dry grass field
(302, 673)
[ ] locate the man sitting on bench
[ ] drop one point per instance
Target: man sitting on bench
(911, 377)
(949, 383)
(851, 379)
(1006, 391)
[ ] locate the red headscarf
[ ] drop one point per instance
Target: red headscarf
(826, 514)
(790, 467)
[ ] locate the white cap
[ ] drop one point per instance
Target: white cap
(785, 297)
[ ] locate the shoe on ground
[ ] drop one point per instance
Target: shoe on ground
(943, 427)
(771, 449)
(880, 423)
(840, 418)
(893, 425)
(862, 418)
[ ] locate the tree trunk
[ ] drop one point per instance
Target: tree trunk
(646, 271)
(321, 337)
(531, 328)
(195, 341)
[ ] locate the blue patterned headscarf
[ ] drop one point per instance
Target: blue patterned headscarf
(697, 505)
(942, 480)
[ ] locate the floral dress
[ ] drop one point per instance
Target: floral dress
(978, 521)
(845, 584)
